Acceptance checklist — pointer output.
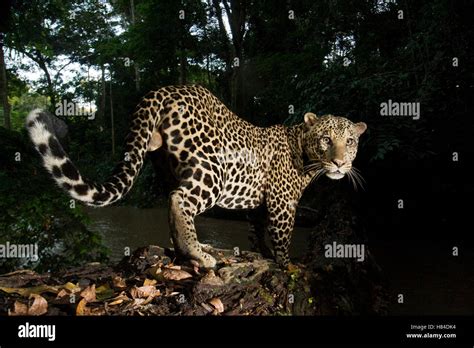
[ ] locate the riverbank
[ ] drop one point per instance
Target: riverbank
(153, 282)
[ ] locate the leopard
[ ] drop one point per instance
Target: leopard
(217, 158)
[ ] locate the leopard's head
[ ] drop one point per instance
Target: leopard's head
(330, 143)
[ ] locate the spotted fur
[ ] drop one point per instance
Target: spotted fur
(218, 158)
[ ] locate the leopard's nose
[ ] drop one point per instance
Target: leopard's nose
(339, 163)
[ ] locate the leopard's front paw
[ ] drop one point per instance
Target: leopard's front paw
(207, 261)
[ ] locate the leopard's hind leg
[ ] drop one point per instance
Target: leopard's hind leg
(183, 209)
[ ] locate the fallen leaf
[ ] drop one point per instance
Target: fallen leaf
(119, 282)
(149, 282)
(39, 305)
(119, 299)
(144, 291)
(292, 268)
(81, 308)
(18, 309)
(62, 293)
(104, 292)
(229, 261)
(116, 302)
(88, 293)
(175, 274)
(218, 305)
(136, 303)
(71, 287)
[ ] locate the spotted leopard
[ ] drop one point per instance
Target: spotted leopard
(217, 158)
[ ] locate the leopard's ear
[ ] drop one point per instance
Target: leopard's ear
(310, 119)
(360, 128)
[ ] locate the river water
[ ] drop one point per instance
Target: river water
(122, 226)
(431, 279)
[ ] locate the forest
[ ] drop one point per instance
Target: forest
(270, 62)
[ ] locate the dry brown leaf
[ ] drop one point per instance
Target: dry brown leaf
(149, 282)
(116, 302)
(62, 293)
(218, 305)
(175, 274)
(88, 293)
(39, 305)
(119, 299)
(136, 303)
(18, 309)
(81, 308)
(119, 282)
(144, 291)
(292, 268)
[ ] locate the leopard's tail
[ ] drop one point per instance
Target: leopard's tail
(57, 162)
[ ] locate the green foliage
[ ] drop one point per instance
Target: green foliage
(34, 211)
(338, 57)
(22, 104)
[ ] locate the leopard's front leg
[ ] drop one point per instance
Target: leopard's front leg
(281, 220)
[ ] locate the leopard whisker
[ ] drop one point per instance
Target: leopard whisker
(355, 174)
(351, 180)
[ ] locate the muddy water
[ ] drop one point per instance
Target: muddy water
(123, 227)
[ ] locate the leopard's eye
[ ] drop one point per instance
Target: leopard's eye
(350, 142)
(326, 140)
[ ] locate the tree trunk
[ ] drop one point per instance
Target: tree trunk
(135, 65)
(208, 70)
(4, 88)
(112, 120)
(236, 16)
(50, 87)
(101, 110)
(38, 59)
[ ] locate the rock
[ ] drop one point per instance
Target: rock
(244, 272)
(210, 278)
